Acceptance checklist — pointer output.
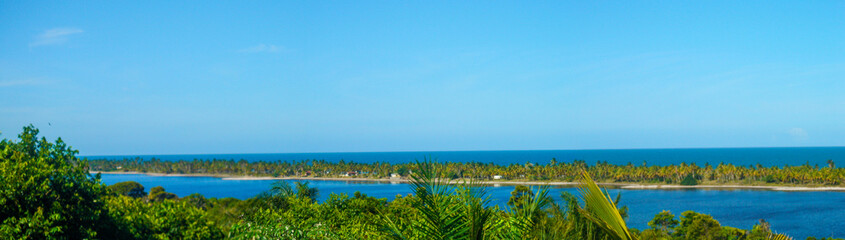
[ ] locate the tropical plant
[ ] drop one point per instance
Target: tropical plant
(128, 188)
(46, 192)
(602, 210)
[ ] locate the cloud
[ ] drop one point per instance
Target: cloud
(267, 48)
(798, 133)
(54, 36)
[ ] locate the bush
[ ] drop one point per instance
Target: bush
(138, 219)
(689, 180)
(128, 188)
(46, 192)
(770, 179)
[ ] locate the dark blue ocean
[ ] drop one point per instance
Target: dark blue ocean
(799, 214)
(700, 156)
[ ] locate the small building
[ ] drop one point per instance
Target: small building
(497, 177)
(350, 174)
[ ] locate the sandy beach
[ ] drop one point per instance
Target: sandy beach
(504, 182)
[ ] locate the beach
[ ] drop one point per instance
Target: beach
(632, 186)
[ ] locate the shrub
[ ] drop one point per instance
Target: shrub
(689, 180)
(46, 192)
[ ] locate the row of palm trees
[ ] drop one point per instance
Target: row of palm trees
(554, 171)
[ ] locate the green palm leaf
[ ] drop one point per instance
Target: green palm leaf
(601, 209)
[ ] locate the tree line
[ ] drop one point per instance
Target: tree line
(722, 173)
(46, 192)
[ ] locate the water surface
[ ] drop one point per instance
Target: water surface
(700, 156)
(799, 214)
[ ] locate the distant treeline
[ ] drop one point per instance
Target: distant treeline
(554, 171)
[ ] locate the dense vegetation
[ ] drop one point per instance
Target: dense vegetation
(46, 192)
(683, 174)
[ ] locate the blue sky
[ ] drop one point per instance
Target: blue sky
(112, 77)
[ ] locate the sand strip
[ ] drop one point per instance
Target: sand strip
(571, 184)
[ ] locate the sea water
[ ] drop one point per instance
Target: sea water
(799, 214)
(737, 156)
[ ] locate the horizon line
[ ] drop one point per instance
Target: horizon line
(487, 150)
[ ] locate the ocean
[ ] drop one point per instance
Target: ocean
(737, 156)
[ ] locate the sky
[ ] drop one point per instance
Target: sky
(164, 77)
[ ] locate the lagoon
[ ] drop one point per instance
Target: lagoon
(799, 214)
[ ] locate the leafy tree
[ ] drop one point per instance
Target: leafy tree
(520, 194)
(697, 226)
(137, 219)
(303, 191)
(128, 188)
(46, 192)
(225, 211)
(197, 200)
(689, 180)
(664, 221)
(158, 194)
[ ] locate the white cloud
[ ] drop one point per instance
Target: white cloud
(268, 48)
(798, 133)
(54, 36)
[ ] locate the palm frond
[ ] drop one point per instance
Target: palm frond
(776, 236)
(601, 208)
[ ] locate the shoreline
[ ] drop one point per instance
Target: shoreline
(628, 186)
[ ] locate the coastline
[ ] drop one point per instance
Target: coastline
(630, 186)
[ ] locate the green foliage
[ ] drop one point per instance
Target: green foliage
(353, 215)
(158, 194)
(128, 188)
(439, 213)
(225, 211)
(300, 221)
(702, 226)
(519, 195)
(303, 191)
(664, 220)
(689, 180)
(138, 219)
(198, 200)
(601, 210)
(46, 191)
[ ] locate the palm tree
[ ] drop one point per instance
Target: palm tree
(441, 215)
(601, 209)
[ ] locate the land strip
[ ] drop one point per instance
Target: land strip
(508, 182)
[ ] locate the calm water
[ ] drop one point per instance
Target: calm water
(738, 156)
(799, 214)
